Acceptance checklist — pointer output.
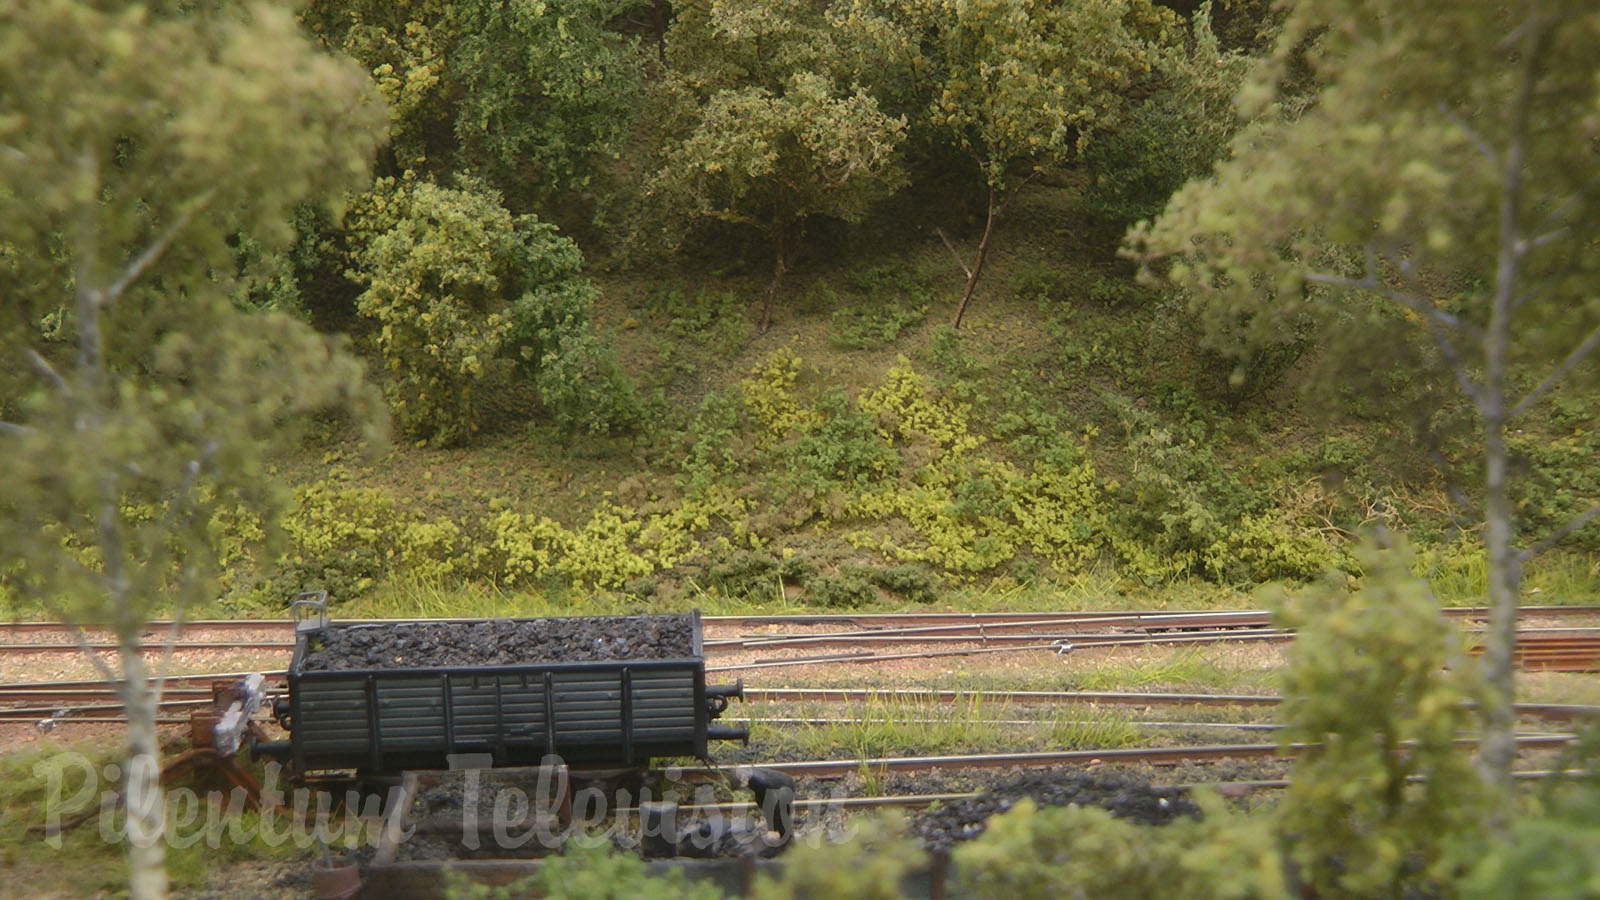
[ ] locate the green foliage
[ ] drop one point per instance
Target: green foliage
(534, 96)
(711, 319)
(547, 91)
(266, 278)
(438, 269)
(1555, 851)
(1378, 680)
(848, 588)
(1180, 512)
(174, 389)
(403, 46)
(1557, 487)
(1440, 171)
(758, 573)
(711, 435)
(868, 867)
(1012, 85)
(137, 141)
(856, 586)
(911, 413)
(763, 134)
(463, 292)
(1013, 81)
(871, 327)
(1384, 159)
(769, 160)
(914, 583)
(893, 297)
(770, 395)
(344, 539)
(588, 870)
(842, 445)
(1174, 134)
(1041, 854)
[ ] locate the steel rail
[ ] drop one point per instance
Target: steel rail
(1004, 723)
(152, 647)
(1563, 645)
(86, 691)
(1547, 711)
(1156, 756)
(943, 619)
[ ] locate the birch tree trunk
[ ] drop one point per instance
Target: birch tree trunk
(145, 801)
(1498, 748)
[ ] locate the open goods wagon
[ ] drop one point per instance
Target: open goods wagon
(382, 710)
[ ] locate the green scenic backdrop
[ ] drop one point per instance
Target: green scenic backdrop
(660, 301)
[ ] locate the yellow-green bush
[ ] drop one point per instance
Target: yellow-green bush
(770, 397)
(909, 410)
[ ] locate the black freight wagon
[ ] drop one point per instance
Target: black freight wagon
(601, 712)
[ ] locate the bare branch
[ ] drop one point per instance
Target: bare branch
(1560, 212)
(1415, 304)
(1477, 139)
(1012, 194)
(1440, 323)
(1549, 237)
(156, 248)
(13, 153)
(1576, 356)
(47, 371)
(15, 430)
(184, 502)
(82, 643)
(1458, 368)
(1560, 534)
(953, 252)
(78, 638)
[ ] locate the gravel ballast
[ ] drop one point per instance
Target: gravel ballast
(1124, 797)
(500, 642)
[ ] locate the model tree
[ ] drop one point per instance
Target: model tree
(133, 140)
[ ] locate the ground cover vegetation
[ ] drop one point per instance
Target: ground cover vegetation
(656, 293)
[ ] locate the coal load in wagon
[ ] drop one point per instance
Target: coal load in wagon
(594, 691)
(502, 642)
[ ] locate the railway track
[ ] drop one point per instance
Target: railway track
(921, 801)
(888, 637)
(1562, 650)
(83, 702)
(880, 623)
(1154, 756)
(869, 638)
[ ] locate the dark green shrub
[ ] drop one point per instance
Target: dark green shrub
(757, 572)
(842, 446)
(1173, 135)
(911, 582)
(849, 588)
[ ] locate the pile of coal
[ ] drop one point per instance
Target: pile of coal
(1123, 796)
(500, 642)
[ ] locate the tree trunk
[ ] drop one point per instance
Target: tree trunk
(977, 264)
(145, 803)
(1497, 749)
(778, 268)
